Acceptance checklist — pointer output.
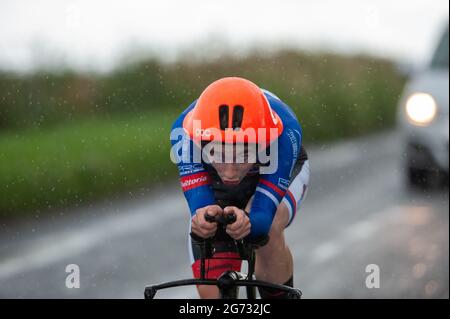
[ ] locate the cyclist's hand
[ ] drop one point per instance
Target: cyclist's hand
(241, 227)
(200, 226)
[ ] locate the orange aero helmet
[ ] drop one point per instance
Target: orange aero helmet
(232, 104)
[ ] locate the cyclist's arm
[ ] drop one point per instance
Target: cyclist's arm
(301, 168)
(272, 187)
(194, 179)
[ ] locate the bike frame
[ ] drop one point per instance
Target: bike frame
(229, 282)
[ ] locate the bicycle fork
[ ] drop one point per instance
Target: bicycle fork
(227, 284)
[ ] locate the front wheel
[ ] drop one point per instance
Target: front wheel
(251, 292)
(149, 293)
(295, 294)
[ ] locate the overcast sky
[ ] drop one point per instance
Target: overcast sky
(97, 33)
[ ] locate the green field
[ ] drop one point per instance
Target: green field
(78, 162)
(68, 138)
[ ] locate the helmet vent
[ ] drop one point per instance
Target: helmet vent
(223, 116)
(238, 115)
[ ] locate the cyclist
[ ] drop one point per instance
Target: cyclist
(263, 197)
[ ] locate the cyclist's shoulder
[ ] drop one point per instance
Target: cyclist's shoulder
(270, 94)
(284, 111)
(179, 120)
(290, 139)
(292, 130)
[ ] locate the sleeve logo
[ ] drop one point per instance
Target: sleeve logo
(283, 183)
(195, 180)
(190, 168)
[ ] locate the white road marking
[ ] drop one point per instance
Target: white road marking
(354, 233)
(348, 236)
(56, 247)
(325, 251)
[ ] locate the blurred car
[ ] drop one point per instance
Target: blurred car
(424, 120)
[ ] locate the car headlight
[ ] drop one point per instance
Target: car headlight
(421, 109)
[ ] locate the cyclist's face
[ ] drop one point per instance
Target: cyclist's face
(232, 173)
(232, 168)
